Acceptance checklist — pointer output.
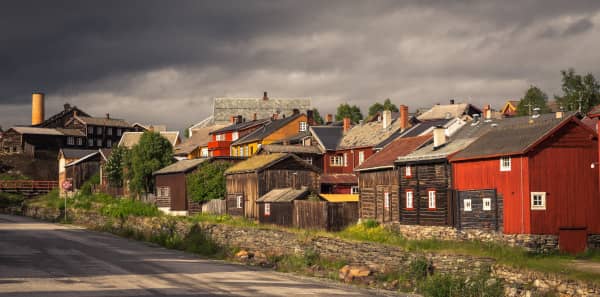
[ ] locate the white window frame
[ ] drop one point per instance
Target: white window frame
(220, 137)
(336, 161)
(361, 157)
(355, 190)
(407, 171)
(386, 200)
(267, 209)
(79, 141)
(235, 135)
(246, 153)
(487, 204)
(410, 199)
(505, 164)
(542, 204)
(431, 199)
(468, 205)
(303, 126)
(238, 201)
(163, 192)
(308, 160)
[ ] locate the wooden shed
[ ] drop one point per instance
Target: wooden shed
(253, 178)
(277, 206)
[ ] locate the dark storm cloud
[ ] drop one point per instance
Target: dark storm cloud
(171, 57)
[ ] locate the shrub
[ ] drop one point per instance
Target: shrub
(208, 182)
(370, 223)
(444, 285)
(419, 268)
(123, 208)
(8, 200)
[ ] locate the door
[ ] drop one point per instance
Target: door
(235, 204)
(384, 204)
(572, 240)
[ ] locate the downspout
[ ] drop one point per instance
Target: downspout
(522, 210)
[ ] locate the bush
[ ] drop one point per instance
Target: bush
(123, 208)
(208, 182)
(370, 223)
(419, 268)
(443, 285)
(8, 200)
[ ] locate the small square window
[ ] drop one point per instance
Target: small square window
(487, 203)
(505, 164)
(467, 205)
(409, 200)
(538, 200)
(267, 209)
(354, 190)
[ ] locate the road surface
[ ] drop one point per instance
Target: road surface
(49, 260)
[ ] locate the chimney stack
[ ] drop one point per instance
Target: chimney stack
(295, 111)
(232, 119)
(67, 106)
(265, 97)
(346, 124)
(37, 108)
(275, 116)
(451, 101)
(329, 118)
(403, 117)
(310, 117)
(387, 119)
(487, 112)
(107, 116)
(439, 136)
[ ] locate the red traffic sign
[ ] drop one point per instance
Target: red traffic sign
(66, 185)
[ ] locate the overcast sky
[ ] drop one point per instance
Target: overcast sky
(163, 62)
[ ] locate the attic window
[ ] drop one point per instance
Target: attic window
(538, 200)
(220, 137)
(505, 164)
(407, 171)
(303, 126)
(337, 161)
(355, 190)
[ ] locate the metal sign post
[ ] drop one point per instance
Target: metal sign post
(66, 185)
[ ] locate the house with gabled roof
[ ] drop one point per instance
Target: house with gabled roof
(129, 139)
(100, 132)
(463, 111)
(510, 108)
(542, 168)
(221, 139)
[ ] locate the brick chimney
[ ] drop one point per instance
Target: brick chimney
(265, 97)
(347, 124)
(275, 116)
(329, 118)
(403, 117)
(386, 119)
(487, 112)
(232, 119)
(295, 111)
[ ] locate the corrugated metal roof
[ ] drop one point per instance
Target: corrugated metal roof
(240, 126)
(225, 108)
(180, 166)
(70, 153)
(387, 156)
(337, 198)
(284, 195)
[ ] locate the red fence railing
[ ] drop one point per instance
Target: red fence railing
(28, 185)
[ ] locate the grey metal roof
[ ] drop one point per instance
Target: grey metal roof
(298, 149)
(284, 195)
(37, 131)
(266, 130)
(328, 136)
(225, 108)
(180, 166)
(240, 126)
(110, 122)
(69, 153)
(512, 139)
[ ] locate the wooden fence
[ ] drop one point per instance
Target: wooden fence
(27, 186)
(324, 215)
(215, 206)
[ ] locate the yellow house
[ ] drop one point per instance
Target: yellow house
(276, 130)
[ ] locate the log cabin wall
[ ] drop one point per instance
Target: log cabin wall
(245, 184)
(373, 185)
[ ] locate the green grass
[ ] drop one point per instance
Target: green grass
(224, 219)
(122, 208)
(444, 285)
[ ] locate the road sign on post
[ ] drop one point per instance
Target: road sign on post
(66, 185)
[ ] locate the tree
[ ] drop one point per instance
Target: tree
(317, 117)
(378, 107)
(114, 166)
(208, 182)
(347, 111)
(534, 98)
(153, 152)
(580, 93)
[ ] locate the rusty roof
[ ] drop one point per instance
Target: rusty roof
(399, 147)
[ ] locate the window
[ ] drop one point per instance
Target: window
(98, 142)
(90, 142)
(303, 126)
(70, 140)
(487, 203)
(119, 131)
(361, 157)
(409, 200)
(246, 151)
(354, 190)
(431, 199)
(505, 163)
(267, 209)
(79, 141)
(407, 171)
(109, 143)
(308, 160)
(99, 130)
(235, 135)
(90, 130)
(386, 200)
(337, 161)
(109, 131)
(163, 192)
(345, 159)
(239, 200)
(220, 137)
(538, 200)
(467, 203)
(204, 152)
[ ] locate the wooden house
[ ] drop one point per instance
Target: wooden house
(221, 139)
(82, 169)
(60, 119)
(67, 156)
(130, 139)
(542, 169)
(311, 154)
(378, 179)
(276, 129)
(100, 132)
(277, 206)
(251, 179)
(39, 142)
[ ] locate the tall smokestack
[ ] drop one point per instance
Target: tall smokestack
(37, 108)
(403, 117)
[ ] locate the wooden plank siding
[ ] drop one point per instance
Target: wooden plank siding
(245, 184)
(323, 215)
(478, 217)
(281, 213)
(425, 177)
(373, 185)
(177, 200)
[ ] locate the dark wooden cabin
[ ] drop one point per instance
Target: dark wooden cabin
(82, 169)
(253, 178)
(378, 180)
(277, 206)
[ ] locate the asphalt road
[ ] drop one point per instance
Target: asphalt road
(49, 260)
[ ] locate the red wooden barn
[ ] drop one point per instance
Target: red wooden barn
(542, 169)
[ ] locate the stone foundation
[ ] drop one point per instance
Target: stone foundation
(531, 242)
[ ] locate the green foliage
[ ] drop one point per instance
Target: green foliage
(153, 152)
(310, 258)
(579, 90)
(86, 188)
(123, 208)
(13, 176)
(378, 107)
(8, 200)
(534, 97)
(444, 285)
(223, 219)
(370, 223)
(419, 268)
(114, 166)
(317, 117)
(347, 111)
(208, 182)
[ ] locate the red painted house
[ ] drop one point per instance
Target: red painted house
(542, 169)
(221, 139)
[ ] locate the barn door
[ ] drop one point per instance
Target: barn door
(572, 240)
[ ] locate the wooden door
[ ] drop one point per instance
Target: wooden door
(572, 240)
